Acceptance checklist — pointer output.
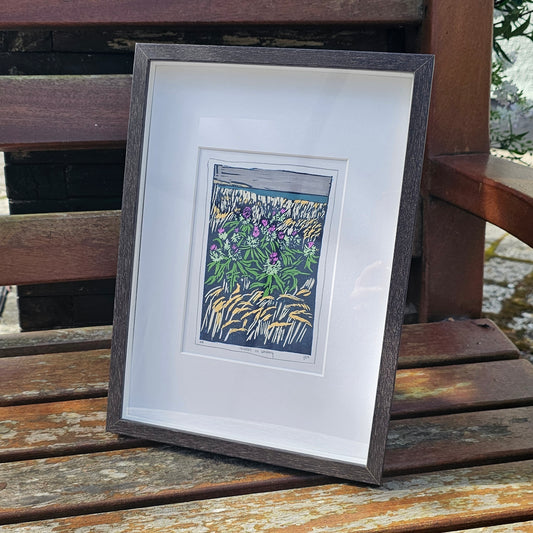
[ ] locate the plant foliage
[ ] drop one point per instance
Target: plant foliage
(512, 20)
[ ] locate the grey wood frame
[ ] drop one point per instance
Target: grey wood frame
(422, 68)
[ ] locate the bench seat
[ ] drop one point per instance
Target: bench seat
(459, 452)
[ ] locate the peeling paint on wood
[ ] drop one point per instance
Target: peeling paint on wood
(100, 481)
(92, 480)
(56, 428)
(449, 500)
(414, 445)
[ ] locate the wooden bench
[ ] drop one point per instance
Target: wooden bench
(459, 449)
(460, 445)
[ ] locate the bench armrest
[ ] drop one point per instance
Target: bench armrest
(494, 189)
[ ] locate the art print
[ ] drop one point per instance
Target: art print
(265, 227)
(263, 249)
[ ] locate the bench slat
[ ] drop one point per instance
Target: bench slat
(116, 479)
(58, 112)
(58, 247)
(57, 428)
(495, 189)
(452, 342)
(461, 498)
(447, 389)
(55, 341)
(53, 377)
(449, 441)
(421, 344)
(75, 375)
(55, 13)
(414, 445)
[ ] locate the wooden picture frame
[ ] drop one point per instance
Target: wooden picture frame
(267, 224)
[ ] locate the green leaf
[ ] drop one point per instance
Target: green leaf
(242, 269)
(522, 28)
(279, 282)
(210, 280)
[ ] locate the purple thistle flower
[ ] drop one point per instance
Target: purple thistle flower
(310, 244)
(221, 230)
(236, 230)
(234, 247)
(272, 229)
(281, 235)
(213, 247)
(283, 210)
(264, 222)
(273, 258)
(255, 232)
(247, 212)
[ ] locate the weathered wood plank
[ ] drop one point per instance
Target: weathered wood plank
(55, 13)
(447, 389)
(55, 341)
(137, 477)
(464, 439)
(452, 342)
(422, 344)
(49, 377)
(58, 247)
(422, 391)
(492, 188)
(58, 112)
(428, 502)
(414, 445)
(57, 428)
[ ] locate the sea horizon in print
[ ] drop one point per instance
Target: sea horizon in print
(264, 240)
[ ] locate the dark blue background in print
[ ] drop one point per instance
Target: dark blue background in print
(262, 258)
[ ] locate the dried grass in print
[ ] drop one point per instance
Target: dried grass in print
(261, 268)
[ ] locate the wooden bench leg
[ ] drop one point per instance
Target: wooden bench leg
(452, 279)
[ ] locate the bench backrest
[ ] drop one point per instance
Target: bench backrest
(83, 111)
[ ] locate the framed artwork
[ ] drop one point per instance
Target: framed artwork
(267, 222)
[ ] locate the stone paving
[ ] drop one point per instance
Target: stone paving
(508, 287)
(507, 296)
